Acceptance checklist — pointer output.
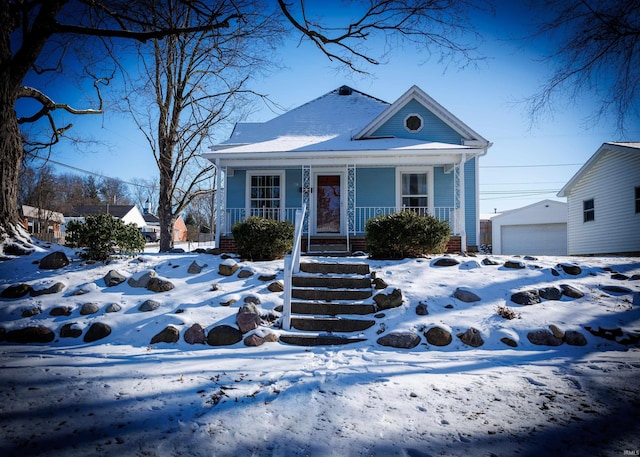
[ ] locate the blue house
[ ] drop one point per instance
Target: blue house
(349, 157)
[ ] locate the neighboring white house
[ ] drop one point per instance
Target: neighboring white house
(604, 202)
(128, 213)
(537, 229)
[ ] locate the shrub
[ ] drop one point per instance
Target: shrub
(101, 235)
(263, 239)
(405, 234)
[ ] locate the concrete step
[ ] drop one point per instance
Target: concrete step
(332, 282)
(329, 309)
(318, 340)
(330, 324)
(335, 268)
(331, 294)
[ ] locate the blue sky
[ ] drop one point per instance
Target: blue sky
(525, 164)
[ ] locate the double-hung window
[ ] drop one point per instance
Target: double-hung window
(414, 192)
(588, 210)
(265, 195)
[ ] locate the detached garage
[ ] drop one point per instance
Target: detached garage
(537, 229)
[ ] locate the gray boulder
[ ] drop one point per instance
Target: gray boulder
(61, 311)
(113, 308)
(276, 286)
(245, 273)
(404, 340)
(30, 312)
(266, 278)
(379, 284)
(527, 297)
(544, 338)
(54, 289)
(39, 334)
(159, 285)
(571, 291)
(97, 331)
(550, 293)
(488, 261)
(248, 317)
(228, 267)
(438, 336)
(509, 341)
(195, 268)
(149, 305)
(616, 290)
(89, 308)
(143, 280)
(471, 337)
(54, 261)
(514, 264)
(70, 331)
(574, 338)
(466, 295)
(388, 301)
(113, 278)
(224, 335)
(446, 262)
(570, 269)
(421, 309)
(17, 291)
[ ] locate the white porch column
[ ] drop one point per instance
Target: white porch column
(220, 203)
(460, 202)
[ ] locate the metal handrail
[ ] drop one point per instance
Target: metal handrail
(292, 265)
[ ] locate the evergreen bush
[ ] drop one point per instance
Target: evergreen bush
(263, 239)
(101, 235)
(405, 234)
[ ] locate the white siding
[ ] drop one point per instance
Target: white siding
(610, 182)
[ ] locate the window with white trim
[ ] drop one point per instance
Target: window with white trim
(415, 191)
(265, 195)
(413, 123)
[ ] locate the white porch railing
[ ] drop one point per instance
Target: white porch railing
(292, 265)
(362, 215)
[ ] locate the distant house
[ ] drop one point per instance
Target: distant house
(536, 229)
(39, 220)
(153, 225)
(127, 213)
(348, 157)
(604, 202)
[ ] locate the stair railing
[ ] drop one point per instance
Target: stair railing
(291, 266)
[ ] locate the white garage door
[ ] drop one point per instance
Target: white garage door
(540, 239)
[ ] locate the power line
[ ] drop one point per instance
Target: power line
(90, 172)
(533, 166)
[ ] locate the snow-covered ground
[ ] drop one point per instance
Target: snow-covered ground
(122, 396)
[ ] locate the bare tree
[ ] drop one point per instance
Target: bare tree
(144, 193)
(27, 28)
(597, 52)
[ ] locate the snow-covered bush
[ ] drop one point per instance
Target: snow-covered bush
(102, 235)
(263, 239)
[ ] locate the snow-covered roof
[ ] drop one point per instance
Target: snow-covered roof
(629, 147)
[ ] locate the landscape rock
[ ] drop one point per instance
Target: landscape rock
(544, 338)
(17, 291)
(616, 289)
(446, 262)
(556, 331)
(574, 338)
(195, 335)
(550, 293)
(489, 261)
(379, 284)
(30, 312)
(527, 297)
(245, 273)
(607, 333)
(143, 280)
(229, 302)
(228, 267)
(401, 340)
(253, 300)
(509, 342)
(89, 308)
(97, 331)
(169, 335)
(38, 334)
(253, 340)
(570, 291)
(113, 278)
(195, 268)
(54, 261)
(388, 301)
(224, 335)
(84, 289)
(619, 277)
(70, 331)
(54, 289)
(248, 318)
(466, 295)
(159, 285)
(266, 278)
(421, 309)
(276, 286)
(471, 337)
(570, 269)
(113, 308)
(438, 336)
(149, 305)
(514, 264)
(61, 311)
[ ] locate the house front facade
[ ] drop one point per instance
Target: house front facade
(603, 200)
(347, 157)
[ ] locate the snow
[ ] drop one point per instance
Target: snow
(122, 396)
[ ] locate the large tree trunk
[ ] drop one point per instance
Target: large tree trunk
(165, 207)
(11, 154)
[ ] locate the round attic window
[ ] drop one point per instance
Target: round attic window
(413, 123)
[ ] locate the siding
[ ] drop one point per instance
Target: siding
(434, 128)
(293, 186)
(375, 187)
(616, 228)
(236, 189)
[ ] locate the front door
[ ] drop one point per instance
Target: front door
(328, 203)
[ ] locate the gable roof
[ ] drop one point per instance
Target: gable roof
(471, 137)
(629, 147)
(118, 211)
(37, 213)
(533, 206)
